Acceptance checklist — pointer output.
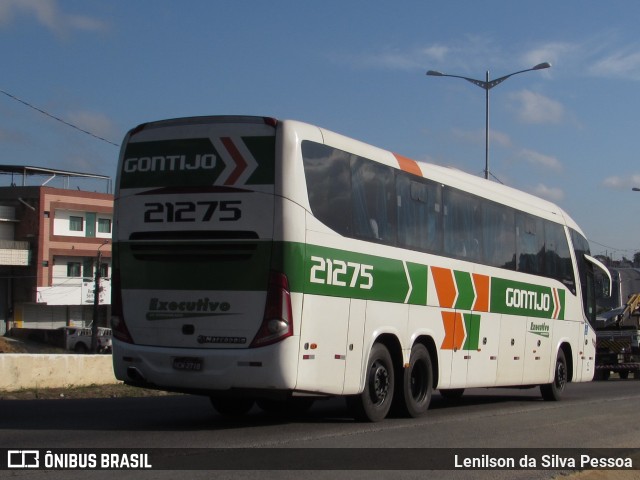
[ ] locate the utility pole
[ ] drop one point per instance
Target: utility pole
(96, 303)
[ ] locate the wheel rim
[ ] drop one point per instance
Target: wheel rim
(561, 375)
(378, 382)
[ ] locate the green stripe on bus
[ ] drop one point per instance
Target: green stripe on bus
(314, 269)
(472, 326)
(341, 273)
(466, 293)
(519, 298)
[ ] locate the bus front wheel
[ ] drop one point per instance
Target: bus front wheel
(373, 404)
(553, 391)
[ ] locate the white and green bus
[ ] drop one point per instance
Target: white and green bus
(268, 261)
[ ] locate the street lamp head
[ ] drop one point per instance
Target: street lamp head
(434, 73)
(636, 189)
(542, 66)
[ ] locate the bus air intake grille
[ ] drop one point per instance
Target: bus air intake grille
(193, 246)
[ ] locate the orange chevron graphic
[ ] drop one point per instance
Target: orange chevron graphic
(481, 283)
(454, 333)
(408, 165)
(445, 286)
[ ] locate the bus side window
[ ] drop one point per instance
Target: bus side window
(418, 213)
(557, 257)
(374, 201)
(530, 243)
(499, 235)
(462, 226)
(328, 179)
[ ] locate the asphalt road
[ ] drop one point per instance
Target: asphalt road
(593, 415)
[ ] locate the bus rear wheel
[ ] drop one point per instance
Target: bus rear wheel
(553, 391)
(373, 404)
(417, 383)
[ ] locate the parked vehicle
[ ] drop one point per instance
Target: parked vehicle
(618, 330)
(78, 339)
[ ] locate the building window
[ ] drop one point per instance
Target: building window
(74, 269)
(104, 225)
(104, 270)
(75, 223)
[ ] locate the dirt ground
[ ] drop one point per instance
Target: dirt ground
(14, 345)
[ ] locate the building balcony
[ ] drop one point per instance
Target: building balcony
(13, 253)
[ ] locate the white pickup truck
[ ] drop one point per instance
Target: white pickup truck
(78, 339)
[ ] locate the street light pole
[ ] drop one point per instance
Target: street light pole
(487, 85)
(96, 302)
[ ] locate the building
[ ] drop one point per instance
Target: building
(50, 242)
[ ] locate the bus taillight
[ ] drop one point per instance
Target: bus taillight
(119, 328)
(277, 323)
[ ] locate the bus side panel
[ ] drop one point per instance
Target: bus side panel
(538, 354)
(355, 353)
(481, 346)
(587, 361)
(323, 352)
(511, 350)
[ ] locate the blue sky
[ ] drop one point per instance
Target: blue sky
(569, 134)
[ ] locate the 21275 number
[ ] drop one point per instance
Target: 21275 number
(205, 211)
(328, 271)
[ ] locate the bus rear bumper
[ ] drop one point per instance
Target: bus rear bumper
(208, 371)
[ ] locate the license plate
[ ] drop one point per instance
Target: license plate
(189, 364)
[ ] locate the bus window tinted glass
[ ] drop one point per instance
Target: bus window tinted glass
(529, 243)
(557, 257)
(418, 213)
(462, 226)
(499, 236)
(374, 200)
(329, 185)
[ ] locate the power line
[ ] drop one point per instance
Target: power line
(13, 97)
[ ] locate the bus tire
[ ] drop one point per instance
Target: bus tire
(373, 404)
(624, 374)
(417, 385)
(232, 407)
(553, 391)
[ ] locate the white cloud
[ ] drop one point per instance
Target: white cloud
(623, 64)
(537, 108)
(417, 58)
(49, 15)
(552, 52)
(550, 193)
(539, 159)
(96, 123)
(622, 183)
(436, 52)
(477, 137)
